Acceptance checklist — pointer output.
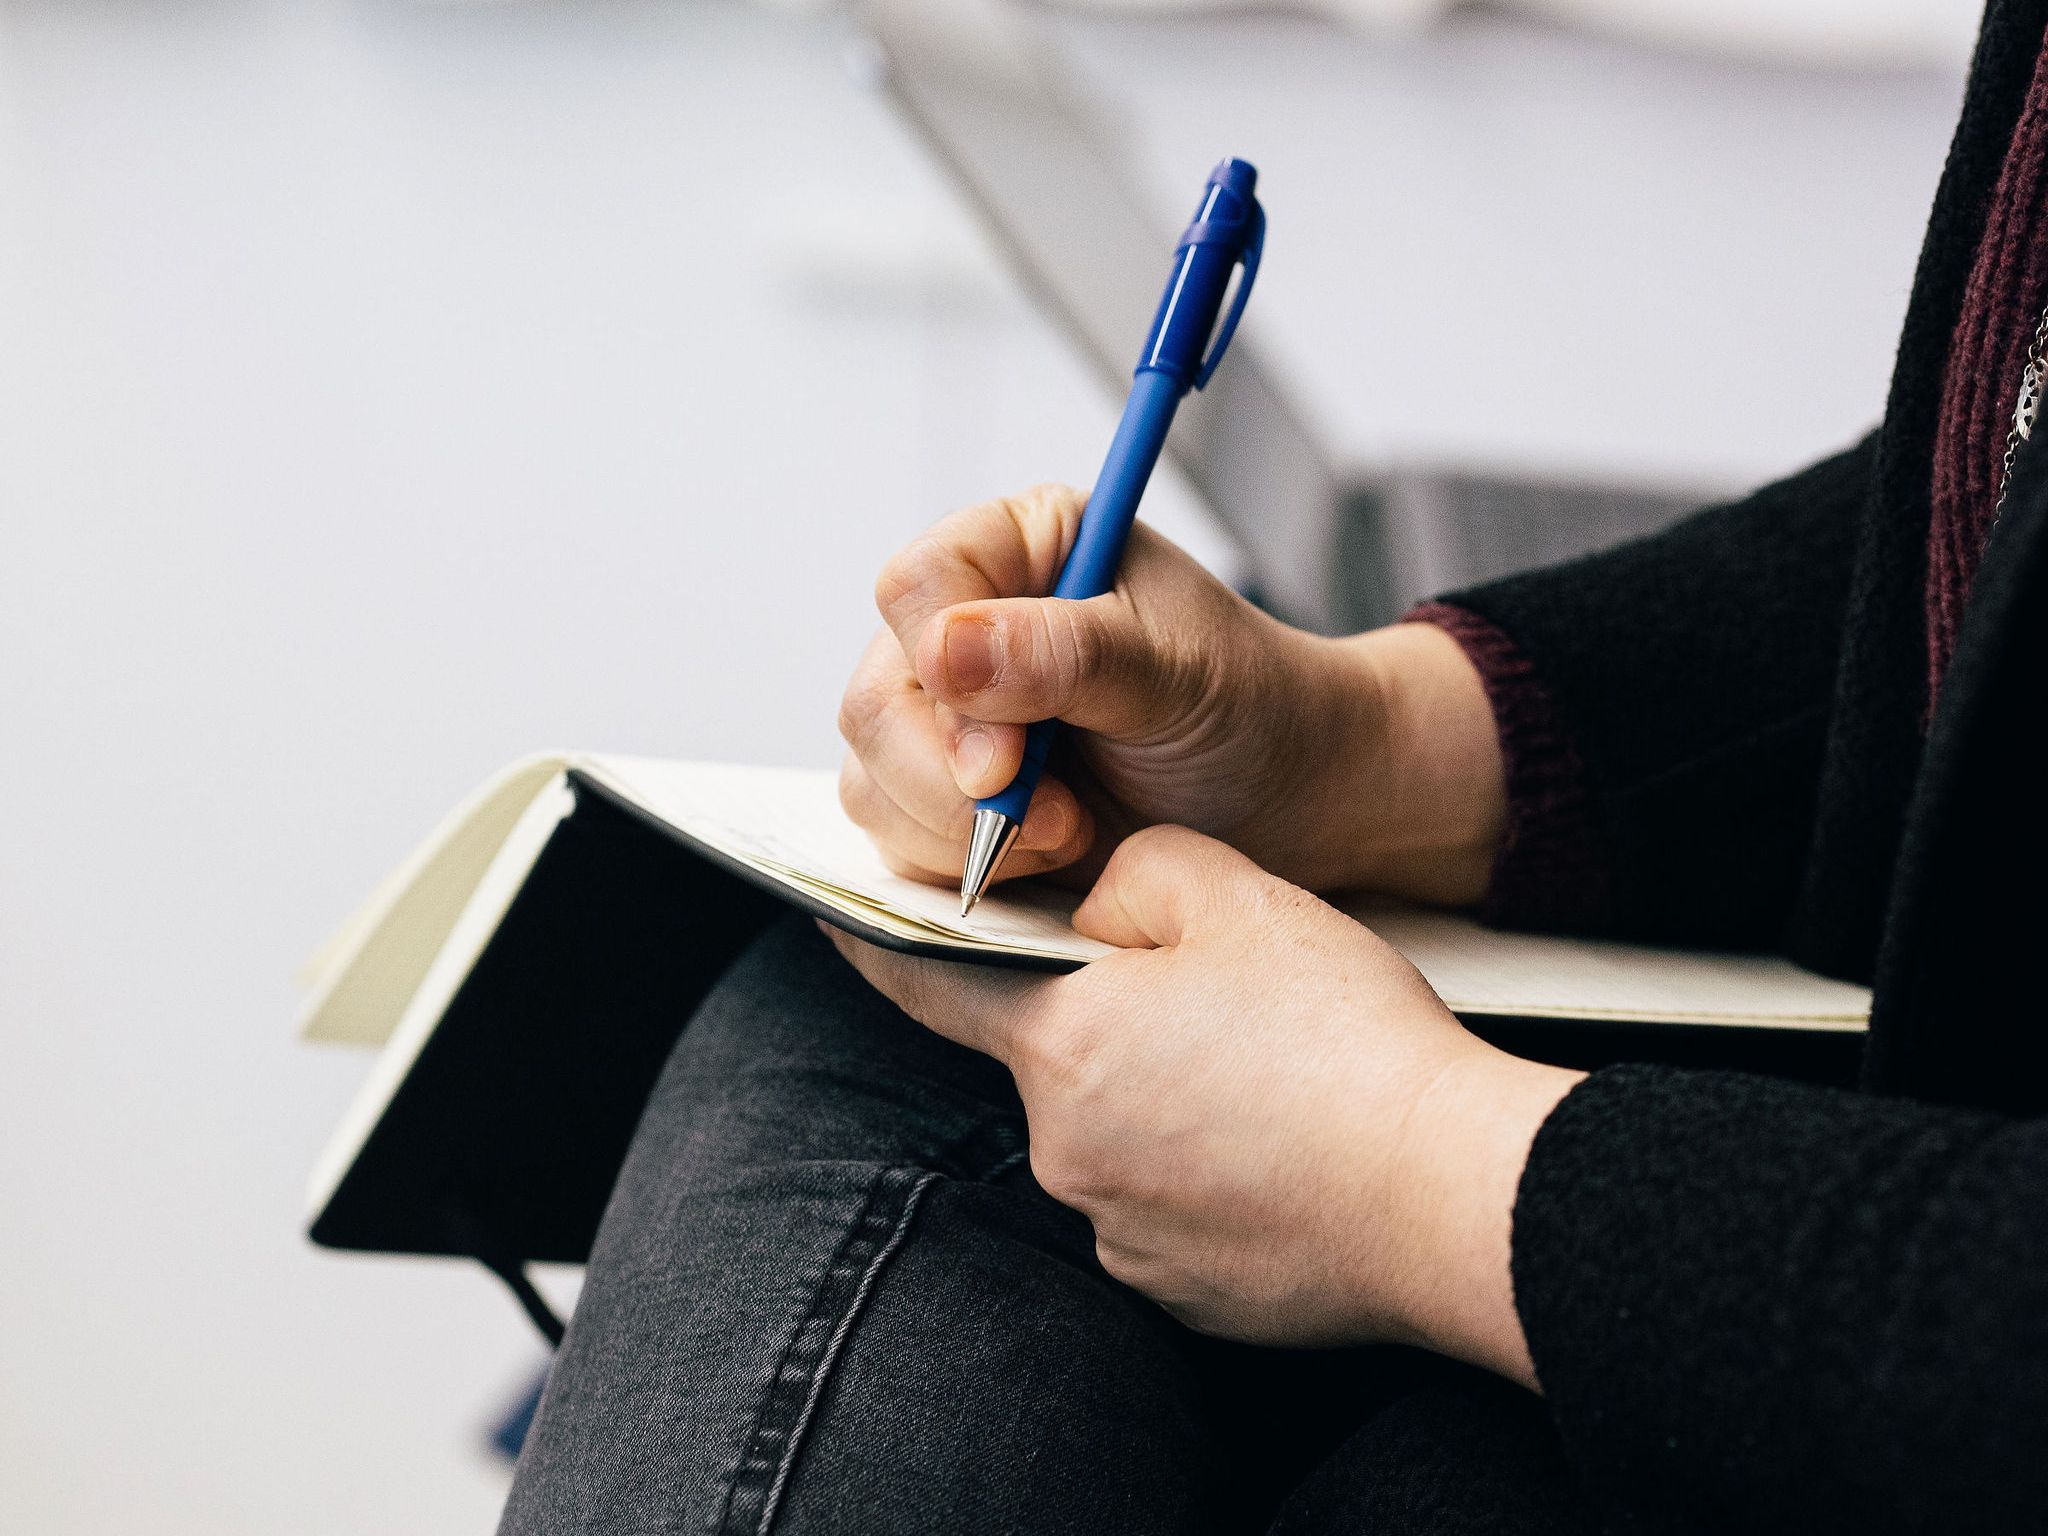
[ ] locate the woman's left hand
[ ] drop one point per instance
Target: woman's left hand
(1278, 1131)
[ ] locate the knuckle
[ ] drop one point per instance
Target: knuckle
(1150, 850)
(907, 572)
(1276, 900)
(1062, 1051)
(1064, 645)
(1151, 842)
(850, 714)
(1065, 1172)
(1083, 636)
(1053, 507)
(1125, 1265)
(856, 790)
(1114, 1261)
(863, 706)
(1044, 520)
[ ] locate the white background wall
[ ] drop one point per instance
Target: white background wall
(387, 390)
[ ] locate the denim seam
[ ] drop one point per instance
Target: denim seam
(761, 1476)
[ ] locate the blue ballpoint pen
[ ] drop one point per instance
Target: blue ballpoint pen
(1229, 230)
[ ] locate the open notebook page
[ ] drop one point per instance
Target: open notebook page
(787, 821)
(1479, 970)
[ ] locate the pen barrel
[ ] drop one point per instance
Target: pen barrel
(1091, 565)
(1228, 232)
(1015, 799)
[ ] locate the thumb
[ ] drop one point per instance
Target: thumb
(1091, 663)
(1164, 885)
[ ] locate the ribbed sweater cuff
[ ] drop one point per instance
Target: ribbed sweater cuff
(1551, 872)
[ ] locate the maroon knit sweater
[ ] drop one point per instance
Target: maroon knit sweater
(1980, 386)
(1552, 861)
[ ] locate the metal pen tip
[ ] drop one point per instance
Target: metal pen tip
(991, 839)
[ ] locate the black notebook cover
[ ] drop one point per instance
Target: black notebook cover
(514, 1119)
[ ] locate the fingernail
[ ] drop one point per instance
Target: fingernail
(972, 654)
(1045, 827)
(972, 754)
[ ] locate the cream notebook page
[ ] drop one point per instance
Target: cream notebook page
(788, 821)
(785, 824)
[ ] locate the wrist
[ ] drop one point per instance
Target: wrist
(1457, 1171)
(1416, 783)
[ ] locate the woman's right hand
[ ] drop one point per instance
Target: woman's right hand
(1363, 762)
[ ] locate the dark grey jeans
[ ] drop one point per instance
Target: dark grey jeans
(828, 1297)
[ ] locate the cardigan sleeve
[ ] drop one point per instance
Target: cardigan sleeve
(1756, 1305)
(1689, 676)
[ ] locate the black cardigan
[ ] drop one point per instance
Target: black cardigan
(1758, 1305)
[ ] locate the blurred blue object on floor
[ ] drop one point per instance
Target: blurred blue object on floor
(512, 1428)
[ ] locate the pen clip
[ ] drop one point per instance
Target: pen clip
(1248, 258)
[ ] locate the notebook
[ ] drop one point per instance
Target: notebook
(524, 973)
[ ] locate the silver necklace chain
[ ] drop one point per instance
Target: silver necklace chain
(2024, 410)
